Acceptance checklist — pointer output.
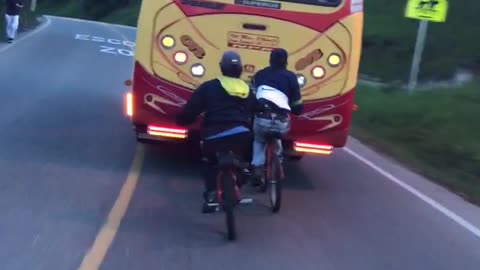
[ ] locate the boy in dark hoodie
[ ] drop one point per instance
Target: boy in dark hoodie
(278, 90)
(228, 105)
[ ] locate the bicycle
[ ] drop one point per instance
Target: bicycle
(274, 172)
(228, 192)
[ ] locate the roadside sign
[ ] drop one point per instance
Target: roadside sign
(427, 10)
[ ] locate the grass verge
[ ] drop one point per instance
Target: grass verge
(433, 132)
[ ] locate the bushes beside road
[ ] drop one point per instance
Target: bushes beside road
(85, 9)
(435, 132)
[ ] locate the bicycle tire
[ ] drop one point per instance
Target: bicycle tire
(264, 180)
(228, 201)
(275, 184)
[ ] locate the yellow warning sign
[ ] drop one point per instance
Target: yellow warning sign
(427, 10)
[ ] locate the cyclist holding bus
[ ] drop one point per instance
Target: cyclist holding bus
(228, 105)
(278, 92)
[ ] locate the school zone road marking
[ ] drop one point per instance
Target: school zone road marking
(112, 46)
(96, 254)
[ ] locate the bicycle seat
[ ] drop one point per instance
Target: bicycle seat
(271, 135)
(230, 160)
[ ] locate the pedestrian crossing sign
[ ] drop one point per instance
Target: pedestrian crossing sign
(427, 10)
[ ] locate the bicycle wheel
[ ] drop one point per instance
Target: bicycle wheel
(264, 180)
(274, 182)
(228, 201)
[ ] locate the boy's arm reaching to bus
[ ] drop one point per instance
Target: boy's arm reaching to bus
(295, 98)
(194, 107)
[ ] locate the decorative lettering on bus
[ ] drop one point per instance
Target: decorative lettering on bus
(192, 46)
(204, 4)
(247, 39)
(250, 47)
(260, 4)
(309, 59)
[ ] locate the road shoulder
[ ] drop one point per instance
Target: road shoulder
(43, 22)
(427, 190)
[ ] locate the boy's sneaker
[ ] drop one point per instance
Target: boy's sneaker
(210, 204)
(258, 174)
(10, 40)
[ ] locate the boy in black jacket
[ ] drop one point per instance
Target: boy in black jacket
(278, 90)
(228, 105)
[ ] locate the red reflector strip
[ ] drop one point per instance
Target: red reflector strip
(167, 132)
(313, 148)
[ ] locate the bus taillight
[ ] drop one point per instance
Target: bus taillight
(168, 42)
(302, 81)
(318, 72)
(334, 60)
(129, 104)
(180, 57)
(313, 148)
(197, 70)
(165, 132)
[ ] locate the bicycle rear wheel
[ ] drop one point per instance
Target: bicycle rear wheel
(274, 175)
(229, 201)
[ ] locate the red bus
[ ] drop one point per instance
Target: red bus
(180, 42)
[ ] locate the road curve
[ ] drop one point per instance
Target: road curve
(65, 156)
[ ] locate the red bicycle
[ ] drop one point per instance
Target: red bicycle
(228, 194)
(274, 172)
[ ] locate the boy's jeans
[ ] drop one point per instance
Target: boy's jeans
(260, 127)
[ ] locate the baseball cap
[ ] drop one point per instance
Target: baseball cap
(230, 58)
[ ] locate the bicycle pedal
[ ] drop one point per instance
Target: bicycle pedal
(246, 201)
(213, 204)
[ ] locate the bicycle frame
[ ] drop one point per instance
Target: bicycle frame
(220, 184)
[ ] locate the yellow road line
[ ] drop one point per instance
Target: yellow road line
(96, 254)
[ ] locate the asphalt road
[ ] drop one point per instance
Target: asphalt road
(66, 151)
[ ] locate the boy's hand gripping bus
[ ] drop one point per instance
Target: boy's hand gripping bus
(180, 42)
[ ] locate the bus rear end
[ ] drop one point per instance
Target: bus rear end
(180, 42)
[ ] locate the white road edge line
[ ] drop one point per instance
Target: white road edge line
(27, 35)
(92, 22)
(459, 220)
